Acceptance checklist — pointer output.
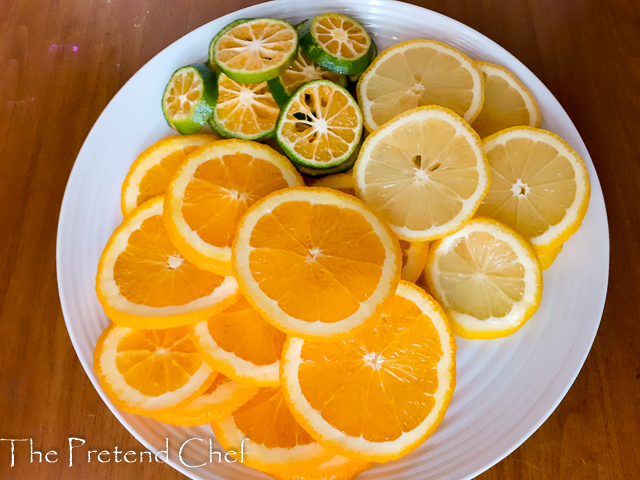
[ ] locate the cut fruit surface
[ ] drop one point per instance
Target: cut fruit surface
(323, 172)
(189, 98)
(254, 50)
(244, 110)
(337, 468)
(336, 42)
(150, 371)
(414, 258)
(241, 344)
(540, 185)
(417, 73)
(507, 102)
(273, 440)
(486, 277)
(216, 403)
(143, 281)
(212, 189)
(151, 172)
(424, 172)
(321, 126)
(379, 394)
(339, 181)
(315, 262)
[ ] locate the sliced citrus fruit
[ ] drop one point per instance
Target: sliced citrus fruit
(189, 98)
(143, 281)
(323, 172)
(151, 172)
(150, 371)
(419, 72)
(301, 71)
(486, 277)
(424, 172)
(546, 259)
(272, 439)
(216, 403)
(241, 344)
(254, 50)
(507, 102)
(414, 258)
(353, 79)
(339, 181)
(315, 262)
(244, 110)
(337, 468)
(540, 185)
(379, 394)
(211, 190)
(321, 126)
(336, 42)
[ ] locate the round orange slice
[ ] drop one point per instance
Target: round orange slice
(381, 393)
(338, 468)
(241, 344)
(414, 258)
(150, 371)
(143, 281)
(315, 262)
(272, 439)
(212, 189)
(215, 404)
(151, 172)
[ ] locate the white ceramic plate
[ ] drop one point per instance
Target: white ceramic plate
(506, 388)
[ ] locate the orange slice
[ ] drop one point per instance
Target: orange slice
(215, 404)
(212, 189)
(381, 393)
(143, 280)
(150, 371)
(315, 262)
(272, 439)
(414, 258)
(338, 468)
(241, 344)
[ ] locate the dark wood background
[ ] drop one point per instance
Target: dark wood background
(61, 61)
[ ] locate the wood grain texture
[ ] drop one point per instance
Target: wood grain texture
(62, 61)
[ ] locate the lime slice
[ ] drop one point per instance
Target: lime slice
(321, 125)
(301, 71)
(324, 172)
(244, 110)
(189, 98)
(353, 79)
(336, 42)
(254, 50)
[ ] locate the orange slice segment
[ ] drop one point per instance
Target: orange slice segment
(143, 280)
(315, 262)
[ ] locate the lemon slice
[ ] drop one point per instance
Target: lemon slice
(414, 258)
(424, 172)
(507, 102)
(540, 185)
(547, 258)
(416, 73)
(486, 277)
(254, 50)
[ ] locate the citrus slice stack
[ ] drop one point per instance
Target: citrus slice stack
(415, 73)
(414, 258)
(507, 102)
(540, 186)
(315, 262)
(265, 429)
(212, 189)
(151, 172)
(487, 278)
(241, 344)
(150, 371)
(337, 468)
(254, 50)
(424, 172)
(381, 393)
(244, 110)
(216, 403)
(321, 125)
(143, 281)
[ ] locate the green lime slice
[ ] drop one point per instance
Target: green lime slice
(244, 110)
(189, 98)
(373, 51)
(301, 71)
(336, 42)
(320, 126)
(254, 50)
(323, 172)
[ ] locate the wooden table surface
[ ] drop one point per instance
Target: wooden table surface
(62, 61)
